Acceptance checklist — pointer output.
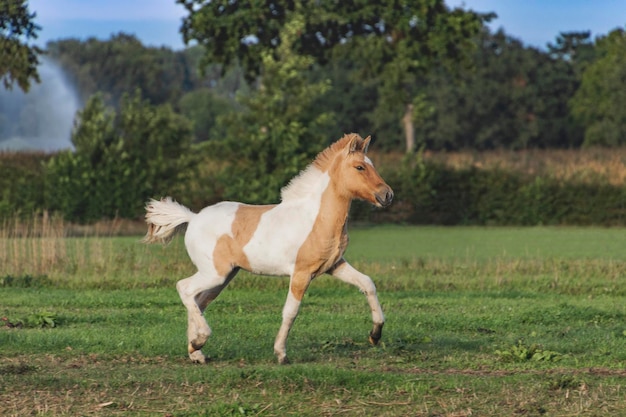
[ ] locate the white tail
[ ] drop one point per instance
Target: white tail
(163, 217)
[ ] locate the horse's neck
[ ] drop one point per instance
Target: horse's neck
(313, 185)
(333, 214)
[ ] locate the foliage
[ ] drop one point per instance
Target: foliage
(22, 183)
(501, 94)
(351, 101)
(121, 159)
(564, 187)
(34, 320)
(18, 58)
(234, 31)
(277, 134)
(600, 102)
(522, 353)
(122, 64)
(515, 98)
(395, 46)
(203, 107)
(430, 193)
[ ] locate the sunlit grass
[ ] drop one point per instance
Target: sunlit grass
(459, 304)
(572, 260)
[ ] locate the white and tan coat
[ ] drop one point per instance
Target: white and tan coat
(303, 237)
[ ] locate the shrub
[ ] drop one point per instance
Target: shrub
(121, 159)
(22, 183)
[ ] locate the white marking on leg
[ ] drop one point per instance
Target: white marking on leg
(197, 328)
(290, 312)
(196, 292)
(347, 273)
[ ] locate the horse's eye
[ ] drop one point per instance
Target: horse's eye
(360, 168)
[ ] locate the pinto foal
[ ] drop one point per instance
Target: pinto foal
(304, 236)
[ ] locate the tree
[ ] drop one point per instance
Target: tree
(575, 48)
(120, 160)
(515, 97)
(394, 42)
(121, 64)
(351, 101)
(599, 105)
(270, 141)
(203, 107)
(18, 58)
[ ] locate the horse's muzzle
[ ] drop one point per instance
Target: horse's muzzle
(384, 197)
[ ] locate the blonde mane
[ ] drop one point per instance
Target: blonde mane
(303, 184)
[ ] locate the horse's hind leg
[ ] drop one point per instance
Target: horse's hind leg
(345, 272)
(196, 292)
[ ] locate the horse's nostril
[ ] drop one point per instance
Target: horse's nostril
(388, 197)
(384, 199)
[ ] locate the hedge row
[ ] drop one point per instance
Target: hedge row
(426, 193)
(432, 193)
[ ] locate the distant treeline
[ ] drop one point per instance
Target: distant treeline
(152, 125)
(513, 96)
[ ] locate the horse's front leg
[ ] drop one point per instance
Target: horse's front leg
(297, 287)
(345, 272)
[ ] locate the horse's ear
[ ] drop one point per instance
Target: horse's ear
(366, 143)
(354, 144)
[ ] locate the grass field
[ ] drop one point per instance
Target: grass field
(480, 321)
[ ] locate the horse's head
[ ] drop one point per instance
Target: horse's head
(357, 175)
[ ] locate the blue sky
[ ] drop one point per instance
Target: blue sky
(157, 22)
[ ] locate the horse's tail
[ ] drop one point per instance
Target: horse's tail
(163, 217)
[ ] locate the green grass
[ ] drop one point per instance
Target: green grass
(480, 321)
(387, 243)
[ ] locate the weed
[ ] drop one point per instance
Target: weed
(562, 382)
(35, 320)
(522, 353)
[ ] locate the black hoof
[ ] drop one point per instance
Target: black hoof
(376, 334)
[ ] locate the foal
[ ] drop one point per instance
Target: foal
(304, 236)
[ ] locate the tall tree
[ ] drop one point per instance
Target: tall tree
(271, 140)
(395, 42)
(599, 104)
(18, 58)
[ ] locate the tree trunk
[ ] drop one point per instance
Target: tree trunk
(409, 128)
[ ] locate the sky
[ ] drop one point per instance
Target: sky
(157, 22)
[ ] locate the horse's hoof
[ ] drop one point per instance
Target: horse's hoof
(198, 342)
(198, 357)
(283, 361)
(374, 337)
(376, 334)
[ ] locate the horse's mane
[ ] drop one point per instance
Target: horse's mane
(304, 183)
